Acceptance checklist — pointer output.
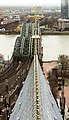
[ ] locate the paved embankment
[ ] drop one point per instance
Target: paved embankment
(55, 33)
(48, 65)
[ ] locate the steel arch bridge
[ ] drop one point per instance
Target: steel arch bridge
(22, 83)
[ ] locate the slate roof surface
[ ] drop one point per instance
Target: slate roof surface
(24, 107)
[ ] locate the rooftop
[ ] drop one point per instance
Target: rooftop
(24, 107)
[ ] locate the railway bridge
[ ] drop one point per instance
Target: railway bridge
(24, 92)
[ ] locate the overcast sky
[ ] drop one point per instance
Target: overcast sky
(29, 2)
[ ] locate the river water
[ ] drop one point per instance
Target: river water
(53, 46)
(7, 45)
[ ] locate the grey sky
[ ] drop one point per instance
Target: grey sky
(29, 2)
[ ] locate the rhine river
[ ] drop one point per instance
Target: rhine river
(53, 46)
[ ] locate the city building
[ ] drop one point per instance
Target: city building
(15, 17)
(65, 9)
(63, 24)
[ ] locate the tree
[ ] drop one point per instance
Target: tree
(64, 67)
(53, 82)
(50, 22)
(64, 62)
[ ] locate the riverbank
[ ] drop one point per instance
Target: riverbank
(48, 66)
(43, 33)
(55, 33)
(9, 33)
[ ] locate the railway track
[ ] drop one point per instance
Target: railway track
(16, 76)
(17, 70)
